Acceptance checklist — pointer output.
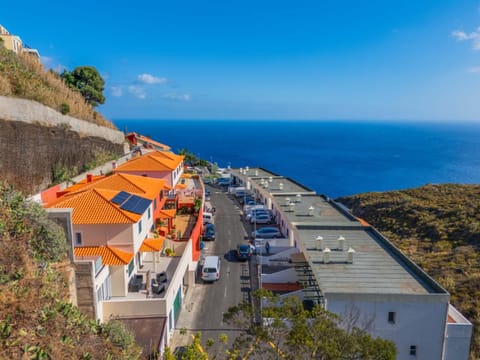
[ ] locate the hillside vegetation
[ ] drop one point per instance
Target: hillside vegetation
(438, 226)
(37, 319)
(24, 77)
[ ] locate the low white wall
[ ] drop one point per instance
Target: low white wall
(134, 308)
(280, 277)
(31, 112)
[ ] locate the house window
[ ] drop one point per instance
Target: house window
(131, 266)
(78, 238)
(413, 350)
(140, 227)
(391, 317)
(149, 213)
(155, 202)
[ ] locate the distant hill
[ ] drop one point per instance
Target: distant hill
(438, 226)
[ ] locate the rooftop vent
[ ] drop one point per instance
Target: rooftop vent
(350, 253)
(299, 197)
(280, 186)
(256, 172)
(291, 206)
(310, 211)
(319, 242)
(270, 179)
(247, 168)
(287, 201)
(326, 255)
(241, 170)
(262, 181)
(265, 185)
(341, 242)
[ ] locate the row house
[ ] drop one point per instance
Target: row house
(122, 265)
(330, 257)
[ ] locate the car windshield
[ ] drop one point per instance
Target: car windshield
(209, 270)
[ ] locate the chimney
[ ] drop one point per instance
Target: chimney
(311, 209)
(326, 255)
(350, 253)
(89, 178)
(319, 242)
(341, 242)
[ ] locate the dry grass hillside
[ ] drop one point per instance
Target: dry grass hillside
(438, 226)
(23, 77)
(37, 320)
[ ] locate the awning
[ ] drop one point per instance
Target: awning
(152, 245)
(167, 214)
(180, 186)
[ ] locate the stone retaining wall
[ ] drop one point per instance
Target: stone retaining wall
(29, 111)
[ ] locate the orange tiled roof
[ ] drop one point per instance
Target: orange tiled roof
(153, 161)
(153, 142)
(110, 255)
(94, 207)
(152, 245)
(145, 186)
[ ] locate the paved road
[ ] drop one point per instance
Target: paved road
(206, 304)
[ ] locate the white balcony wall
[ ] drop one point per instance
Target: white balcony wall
(119, 280)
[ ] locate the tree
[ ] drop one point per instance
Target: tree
(289, 331)
(88, 82)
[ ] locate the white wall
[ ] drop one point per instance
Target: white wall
(419, 319)
(119, 235)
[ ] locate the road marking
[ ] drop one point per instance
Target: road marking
(200, 348)
(280, 352)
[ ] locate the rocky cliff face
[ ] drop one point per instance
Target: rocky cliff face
(29, 152)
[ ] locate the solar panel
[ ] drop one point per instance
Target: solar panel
(120, 197)
(136, 204)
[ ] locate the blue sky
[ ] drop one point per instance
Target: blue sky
(335, 59)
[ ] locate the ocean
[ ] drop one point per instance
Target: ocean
(333, 158)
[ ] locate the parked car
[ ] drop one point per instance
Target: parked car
(209, 232)
(207, 192)
(244, 251)
(267, 233)
(255, 212)
(211, 269)
(260, 218)
(208, 218)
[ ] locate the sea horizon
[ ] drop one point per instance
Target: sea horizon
(335, 158)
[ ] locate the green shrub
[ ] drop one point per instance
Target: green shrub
(64, 108)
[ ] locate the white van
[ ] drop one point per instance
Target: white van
(211, 269)
(207, 218)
